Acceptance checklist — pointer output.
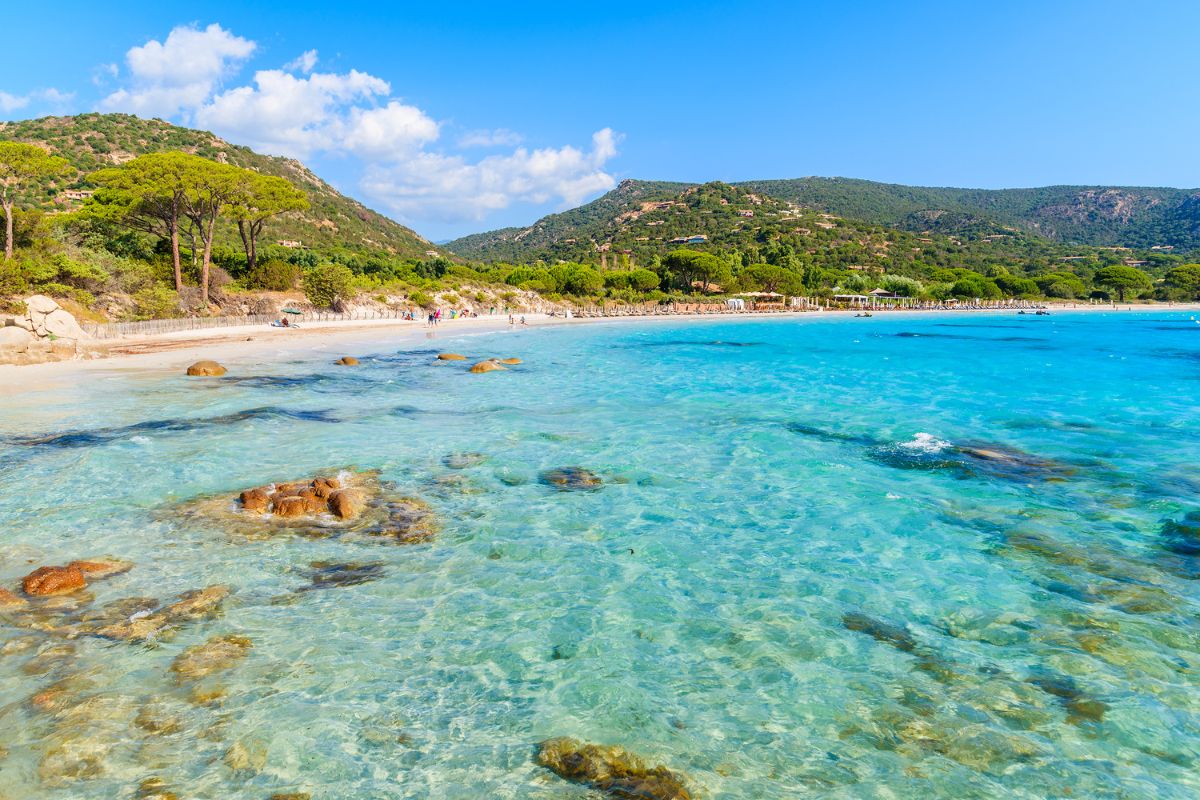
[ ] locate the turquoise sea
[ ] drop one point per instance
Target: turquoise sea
(939, 556)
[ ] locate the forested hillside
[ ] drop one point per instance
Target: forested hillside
(92, 141)
(1094, 215)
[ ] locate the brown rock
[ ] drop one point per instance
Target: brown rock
(348, 361)
(9, 600)
(290, 796)
(255, 501)
(288, 489)
(209, 369)
(451, 357)
(346, 503)
(325, 486)
(611, 770)
(289, 507)
(510, 361)
(53, 580)
(313, 503)
(486, 366)
(100, 568)
(193, 605)
(216, 655)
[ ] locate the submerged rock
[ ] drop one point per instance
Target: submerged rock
(463, 460)
(329, 574)
(206, 369)
(895, 635)
(45, 581)
(218, 654)
(1080, 708)
(610, 770)
(10, 601)
(451, 357)
(408, 520)
(193, 605)
(347, 361)
(570, 479)
(100, 568)
(154, 789)
(511, 361)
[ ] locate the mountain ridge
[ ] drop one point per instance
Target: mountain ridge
(1096, 216)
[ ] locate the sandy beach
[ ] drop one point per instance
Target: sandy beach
(256, 344)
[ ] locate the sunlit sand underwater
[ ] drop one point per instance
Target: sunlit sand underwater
(931, 556)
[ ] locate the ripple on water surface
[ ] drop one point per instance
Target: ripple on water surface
(947, 556)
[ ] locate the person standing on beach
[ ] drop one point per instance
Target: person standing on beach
(510, 320)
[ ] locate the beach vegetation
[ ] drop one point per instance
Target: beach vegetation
(22, 168)
(1123, 280)
(329, 285)
(1184, 281)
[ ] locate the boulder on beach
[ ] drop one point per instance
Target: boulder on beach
(486, 366)
(451, 357)
(347, 361)
(571, 479)
(15, 339)
(45, 581)
(208, 369)
(610, 770)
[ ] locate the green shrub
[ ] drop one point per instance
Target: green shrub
(155, 302)
(273, 275)
(328, 285)
(419, 298)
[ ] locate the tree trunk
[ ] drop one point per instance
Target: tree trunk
(207, 236)
(247, 244)
(8, 228)
(175, 255)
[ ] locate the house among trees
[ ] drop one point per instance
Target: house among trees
(294, 244)
(697, 239)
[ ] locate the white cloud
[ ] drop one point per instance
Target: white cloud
(449, 188)
(48, 99)
(500, 137)
(305, 62)
(287, 115)
(180, 73)
(12, 102)
(295, 111)
(389, 132)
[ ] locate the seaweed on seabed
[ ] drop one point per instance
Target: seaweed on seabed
(609, 769)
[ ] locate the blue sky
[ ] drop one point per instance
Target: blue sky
(460, 117)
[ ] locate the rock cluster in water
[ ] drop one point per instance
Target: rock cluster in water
(299, 499)
(351, 503)
(611, 770)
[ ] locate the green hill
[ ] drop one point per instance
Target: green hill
(1137, 217)
(92, 141)
(1064, 215)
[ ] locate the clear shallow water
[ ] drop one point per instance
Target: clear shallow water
(766, 481)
